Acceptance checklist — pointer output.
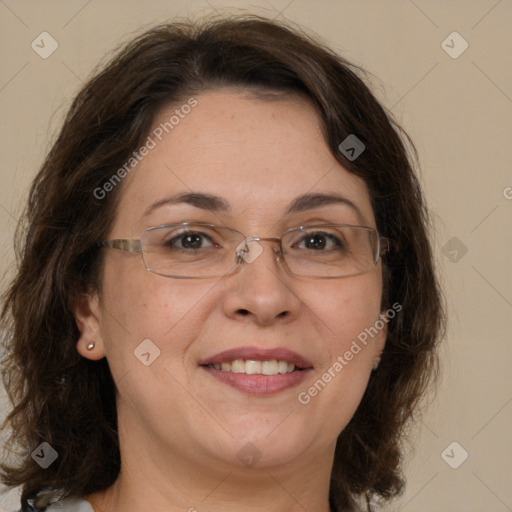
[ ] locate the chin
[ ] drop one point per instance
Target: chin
(264, 446)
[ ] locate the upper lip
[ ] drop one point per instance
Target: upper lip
(258, 354)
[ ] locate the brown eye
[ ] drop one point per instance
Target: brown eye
(191, 240)
(319, 242)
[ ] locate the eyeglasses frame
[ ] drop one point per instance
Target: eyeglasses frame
(384, 245)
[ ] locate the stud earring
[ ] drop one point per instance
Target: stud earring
(376, 362)
(90, 346)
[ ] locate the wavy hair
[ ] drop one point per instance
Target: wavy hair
(68, 401)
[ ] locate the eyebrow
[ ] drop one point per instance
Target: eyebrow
(310, 201)
(214, 203)
(199, 200)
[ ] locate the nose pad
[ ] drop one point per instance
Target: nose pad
(249, 250)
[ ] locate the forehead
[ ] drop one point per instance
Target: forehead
(258, 155)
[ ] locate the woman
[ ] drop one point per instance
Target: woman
(226, 296)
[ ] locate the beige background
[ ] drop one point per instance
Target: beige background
(458, 111)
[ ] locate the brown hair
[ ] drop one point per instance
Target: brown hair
(68, 401)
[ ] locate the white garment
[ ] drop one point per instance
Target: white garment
(70, 505)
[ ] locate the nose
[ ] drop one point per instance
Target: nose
(261, 291)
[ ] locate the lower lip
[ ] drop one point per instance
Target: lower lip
(259, 384)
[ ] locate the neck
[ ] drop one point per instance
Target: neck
(143, 484)
(161, 472)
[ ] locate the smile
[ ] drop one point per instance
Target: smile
(250, 367)
(258, 371)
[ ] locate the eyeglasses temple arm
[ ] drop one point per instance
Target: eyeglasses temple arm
(122, 244)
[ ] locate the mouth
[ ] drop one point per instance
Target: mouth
(252, 367)
(258, 371)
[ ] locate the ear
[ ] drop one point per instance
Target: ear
(87, 312)
(379, 341)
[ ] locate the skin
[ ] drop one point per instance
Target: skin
(180, 429)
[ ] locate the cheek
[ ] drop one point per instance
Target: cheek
(139, 305)
(148, 324)
(348, 313)
(348, 308)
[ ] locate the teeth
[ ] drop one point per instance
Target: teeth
(253, 367)
(237, 366)
(250, 367)
(270, 367)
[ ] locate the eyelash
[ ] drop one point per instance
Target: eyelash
(180, 236)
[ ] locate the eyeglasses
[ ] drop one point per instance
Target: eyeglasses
(196, 250)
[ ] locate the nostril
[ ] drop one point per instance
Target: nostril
(243, 312)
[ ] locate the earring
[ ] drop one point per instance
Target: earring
(376, 362)
(90, 346)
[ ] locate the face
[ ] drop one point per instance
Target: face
(257, 157)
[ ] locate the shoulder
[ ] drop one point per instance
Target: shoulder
(70, 505)
(67, 505)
